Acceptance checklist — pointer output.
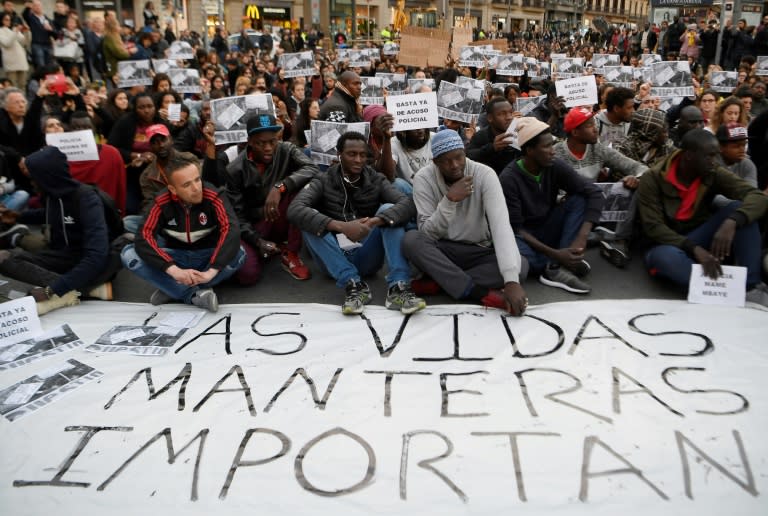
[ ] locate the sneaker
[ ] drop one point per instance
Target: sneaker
(582, 269)
(401, 297)
(206, 298)
(103, 292)
(159, 297)
(358, 295)
(293, 265)
(604, 233)
(563, 278)
(10, 237)
(425, 287)
(615, 253)
(494, 299)
(71, 298)
(758, 295)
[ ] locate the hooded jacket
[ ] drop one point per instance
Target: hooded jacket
(74, 215)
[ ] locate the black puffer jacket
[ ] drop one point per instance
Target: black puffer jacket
(328, 198)
(340, 107)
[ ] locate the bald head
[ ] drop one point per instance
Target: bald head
(352, 83)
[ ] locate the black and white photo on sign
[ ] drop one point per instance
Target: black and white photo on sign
(44, 387)
(394, 83)
(51, 342)
(390, 49)
(324, 136)
(342, 54)
(137, 340)
(671, 78)
(762, 65)
(642, 74)
(512, 65)
(667, 103)
(230, 115)
(527, 104)
(359, 59)
(649, 59)
(557, 55)
(372, 90)
(163, 65)
(299, 64)
(459, 103)
(622, 76)
(616, 201)
(724, 82)
(473, 56)
(469, 82)
(372, 53)
(600, 61)
(545, 69)
(532, 64)
(133, 73)
(415, 85)
(181, 50)
(185, 80)
(567, 67)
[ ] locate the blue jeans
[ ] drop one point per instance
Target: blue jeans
(15, 201)
(559, 230)
(42, 54)
(381, 243)
(673, 263)
(198, 259)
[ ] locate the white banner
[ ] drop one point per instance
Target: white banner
(77, 145)
(578, 91)
(598, 408)
(416, 111)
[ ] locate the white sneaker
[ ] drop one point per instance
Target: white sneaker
(758, 295)
(71, 298)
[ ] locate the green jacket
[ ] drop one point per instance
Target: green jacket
(112, 54)
(658, 201)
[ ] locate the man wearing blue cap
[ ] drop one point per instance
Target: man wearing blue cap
(465, 242)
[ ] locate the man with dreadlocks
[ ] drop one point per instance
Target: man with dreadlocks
(648, 138)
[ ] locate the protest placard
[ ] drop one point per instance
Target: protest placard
(185, 80)
(372, 91)
(174, 112)
(729, 289)
(415, 85)
(568, 67)
(762, 66)
(414, 111)
(358, 58)
(600, 61)
(133, 73)
(52, 342)
(473, 56)
(671, 79)
(578, 91)
(724, 82)
(458, 103)
(461, 37)
(324, 136)
(525, 105)
(622, 76)
(181, 50)
(512, 65)
(646, 60)
(77, 145)
(469, 82)
(299, 64)
(616, 201)
(163, 65)
(667, 103)
(423, 47)
(18, 322)
(390, 49)
(394, 83)
(231, 114)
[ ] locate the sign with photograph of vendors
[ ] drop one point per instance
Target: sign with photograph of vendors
(600, 61)
(458, 103)
(415, 85)
(622, 76)
(724, 82)
(472, 56)
(231, 114)
(185, 80)
(568, 67)
(394, 83)
(163, 65)
(511, 65)
(762, 66)
(372, 91)
(526, 105)
(299, 64)
(133, 73)
(415, 111)
(390, 49)
(181, 50)
(324, 135)
(671, 79)
(359, 58)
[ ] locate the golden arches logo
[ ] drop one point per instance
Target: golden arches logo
(252, 11)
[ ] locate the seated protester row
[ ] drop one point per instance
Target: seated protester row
(613, 121)
(551, 235)
(675, 204)
(411, 152)
(76, 259)
(648, 138)
(464, 241)
(590, 159)
(492, 146)
(352, 221)
(733, 151)
(261, 183)
(189, 242)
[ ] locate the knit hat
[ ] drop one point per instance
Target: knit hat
(732, 132)
(529, 128)
(370, 113)
(445, 141)
(576, 117)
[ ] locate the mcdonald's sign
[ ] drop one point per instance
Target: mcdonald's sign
(252, 11)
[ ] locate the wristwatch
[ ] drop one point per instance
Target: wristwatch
(281, 187)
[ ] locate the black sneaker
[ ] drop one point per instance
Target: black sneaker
(10, 237)
(556, 276)
(615, 253)
(159, 297)
(358, 295)
(582, 269)
(401, 297)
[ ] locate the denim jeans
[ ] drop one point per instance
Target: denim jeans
(673, 263)
(382, 243)
(41, 55)
(15, 201)
(198, 259)
(558, 231)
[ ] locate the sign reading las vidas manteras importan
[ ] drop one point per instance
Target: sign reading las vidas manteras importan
(585, 408)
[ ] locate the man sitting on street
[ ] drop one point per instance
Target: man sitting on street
(189, 242)
(352, 220)
(491, 146)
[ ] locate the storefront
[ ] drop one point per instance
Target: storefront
(260, 16)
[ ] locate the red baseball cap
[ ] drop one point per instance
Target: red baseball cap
(154, 130)
(576, 117)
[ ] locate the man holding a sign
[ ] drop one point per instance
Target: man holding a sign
(675, 200)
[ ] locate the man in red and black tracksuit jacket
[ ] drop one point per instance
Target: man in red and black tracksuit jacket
(189, 242)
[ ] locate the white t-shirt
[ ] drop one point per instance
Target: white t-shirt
(408, 162)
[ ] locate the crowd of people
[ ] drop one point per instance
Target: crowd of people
(470, 209)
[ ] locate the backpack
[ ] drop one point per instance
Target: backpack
(112, 215)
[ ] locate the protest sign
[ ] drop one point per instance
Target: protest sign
(762, 66)
(51, 342)
(671, 79)
(568, 67)
(231, 114)
(163, 65)
(324, 135)
(372, 91)
(458, 103)
(18, 322)
(174, 112)
(469, 82)
(133, 73)
(512, 65)
(181, 50)
(724, 82)
(667, 103)
(545, 69)
(526, 105)
(423, 47)
(622, 76)
(729, 289)
(461, 37)
(646, 60)
(600, 61)
(394, 83)
(414, 111)
(473, 56)
(300, 64)
(185, 80)
(77, 145)
(578, 91)
(584, 408)
(415, 85)
(616, 201)
(358, 58)
(390, 49)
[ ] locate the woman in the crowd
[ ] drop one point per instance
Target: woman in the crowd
(112, 110)
(14, 54)
(181, 132)
(648, 138)
(113, 48)
(72, 35)
(161, 82)
(730, 110)
(309, 110)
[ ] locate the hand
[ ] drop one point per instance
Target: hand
(163, 113)
(723, 239)
(373, 222)
(356, 230)
(461, 189)
(183, 276)
(470, 131)
(271, 212)
(515, 298)
(201, 278)
(385, 123)
(209, 132)
(570, 257)
(502, 142)
(709, 263)
(7, 216)
(267, 248)
(556, 104)
(42, 91)
(38, 293)
(631, 182)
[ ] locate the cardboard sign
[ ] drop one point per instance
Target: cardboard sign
(423, 47)
(77, 145)
(729, 289)
(415, 111)
(18, 322)
(578, 91)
